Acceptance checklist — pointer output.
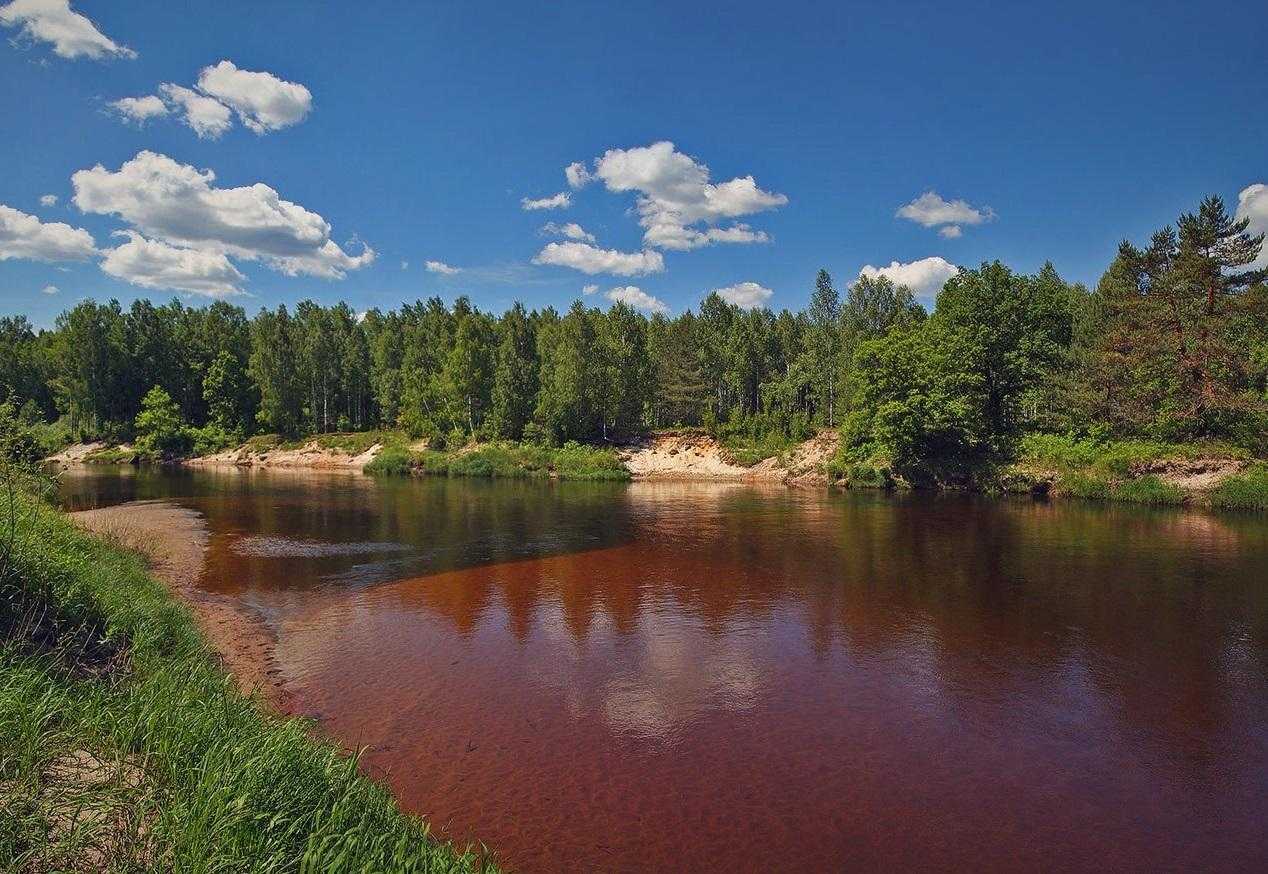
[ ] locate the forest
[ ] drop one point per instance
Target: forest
(1171, 345)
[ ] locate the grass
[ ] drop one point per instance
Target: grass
(1113, 457)
(112, 455)
(1149, 490)
(124, 747)
(505, 461)
(1245, 491)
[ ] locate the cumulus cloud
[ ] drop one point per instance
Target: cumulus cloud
(155, 264)
(590, 289)
(930, 210)
(591, 259)
(25, 236)
(562, 200)
(678, 206)
(950, 232)
(139, 110)
(404, 265)
(571, 230)
(577, 175)
(634, 296)
(1252, 204)
(50, 289)
(48, 200)
(746, 295)
(925, 277)
(262, 101)
(71, 34)
(179, 205)
(441, 267)
(206, 116)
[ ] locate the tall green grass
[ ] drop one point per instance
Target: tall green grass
(98, 663)
(505, 461)
(1245, 491)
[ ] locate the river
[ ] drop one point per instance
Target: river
(663, 677)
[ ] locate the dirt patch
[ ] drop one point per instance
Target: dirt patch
(311, 455)
(1192, 474)
(174, 540)
(76, 454)
(691, 456)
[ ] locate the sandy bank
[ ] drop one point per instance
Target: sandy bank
(311, 455)
(695, 456)
(174, 541)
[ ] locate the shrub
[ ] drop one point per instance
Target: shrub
(1245, 491)
(1149, 490)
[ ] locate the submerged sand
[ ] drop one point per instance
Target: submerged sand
(174, 540)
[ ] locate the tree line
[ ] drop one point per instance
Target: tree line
(1171, 344)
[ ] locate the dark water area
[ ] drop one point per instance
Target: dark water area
(661, 677)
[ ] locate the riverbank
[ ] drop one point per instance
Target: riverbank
(124, 744)
(1214, 476)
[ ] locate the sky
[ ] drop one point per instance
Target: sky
(382, 152)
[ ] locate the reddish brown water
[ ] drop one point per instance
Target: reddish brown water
(662, 678)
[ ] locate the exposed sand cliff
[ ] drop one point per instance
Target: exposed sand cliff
(694, 456)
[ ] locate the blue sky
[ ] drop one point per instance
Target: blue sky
(1062, 128)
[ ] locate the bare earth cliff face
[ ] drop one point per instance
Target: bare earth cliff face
(700, 457)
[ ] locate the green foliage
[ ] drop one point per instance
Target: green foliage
(159, 426)
(1149, 489)
(918, 400)
(1082, 485)
(1117, 458)
(572, 461)
(1245, 491)
(96, 659)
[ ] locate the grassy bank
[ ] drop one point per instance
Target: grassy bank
(124, 747)
(1135, 471)
(503, 461)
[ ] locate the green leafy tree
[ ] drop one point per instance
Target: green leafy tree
(919, 401)
(159, 426)
(1015, 328)
(275, 371)
(515, 369)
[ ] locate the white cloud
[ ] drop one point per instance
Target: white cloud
(441, 267)
(1252, 204)
(53, 21)
(746, 295)
(562, 200)
(590, 289)
(206, 116)
(571, 230)
(577, 175)
(262, 101)
(179, 205)
(925, 277)
(25, 236)
(139, 109)
(950, 232)
(404, 265)
(634, 296)
(591, 259)
(155, 264)
(48, 200)
(50, 289)
(676, 198)
(930, 211)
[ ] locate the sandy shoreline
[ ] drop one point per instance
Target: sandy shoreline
(174, 541)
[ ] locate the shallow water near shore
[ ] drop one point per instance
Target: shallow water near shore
(628, 677)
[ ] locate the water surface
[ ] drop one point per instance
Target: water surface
(669, 676)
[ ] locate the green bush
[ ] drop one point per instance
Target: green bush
(1082, 485)
(1148, 490)
(1245, 491)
